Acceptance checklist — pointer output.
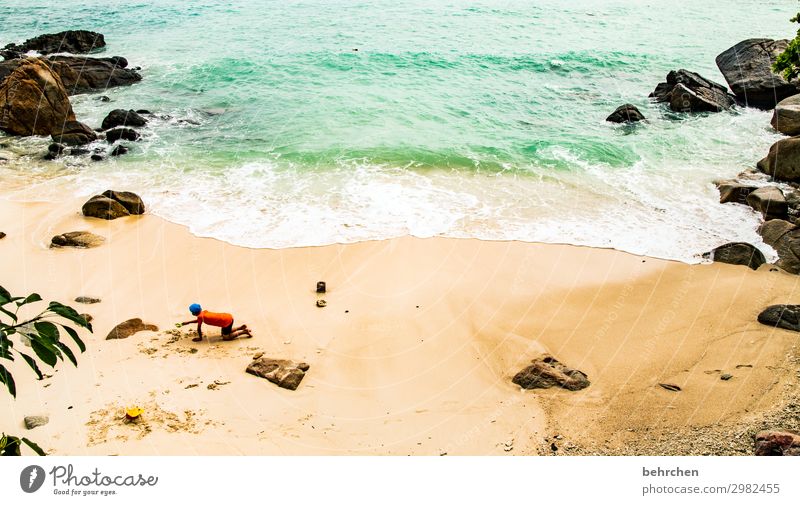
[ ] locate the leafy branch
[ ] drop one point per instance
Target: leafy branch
(788, 62)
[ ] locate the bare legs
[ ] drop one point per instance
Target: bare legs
(238, 332)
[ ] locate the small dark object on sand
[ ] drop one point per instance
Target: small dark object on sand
(321, 303)
(321, 287)
(670, 387)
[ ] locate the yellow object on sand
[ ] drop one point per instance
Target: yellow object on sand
(133, 413)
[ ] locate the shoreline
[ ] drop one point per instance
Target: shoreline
(387, 377)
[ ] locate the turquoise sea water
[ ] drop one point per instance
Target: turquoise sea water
(458, 118)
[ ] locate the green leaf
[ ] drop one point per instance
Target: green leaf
(68, 313)
(9, 314)
(47, 330)
(7, 379)
(45, 354)
(38, 450)
(10, 447)
(34, 297)
(5, 296)
(32, 363)
(74, 334)
(66, 350)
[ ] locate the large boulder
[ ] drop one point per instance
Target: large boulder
(122, 117)
(687, 91)
(103, 207)
(734, 191)
(547, 372)
(777, 443)
(783, 160)
(70, 41)
(128, 328)
(770, 202)
(131, 201)
(781, 316)
(626, 114)
(81, 74)
(747, 67)
(737, 253)
(786, 117)
(285, 373)
(784, 237)
(33, 101)
(74, 133)
(79, 239)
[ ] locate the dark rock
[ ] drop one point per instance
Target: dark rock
(285, 373)
(670, 387)
(770, 202)
(81, 74)
(74, 133)
(104, 208)
(119, 150)
(77, 151)
(547, 372)
(145, 112)
(104, 98)
(97, 157)
(747, 67)
(32, 422)
(777, 443)
(786, 117)
(128, 328)
(690, 92)
(784, 237)
(321, 287)
(626, 114)
(55, 149)
(87, 300)
(737, 253)
(121, 133)
(122, 117)
(2, 235)
(131, 201)
(726, 377)
(79, 239)
(734, 192)
(781, 316)
(33, 100)
(70, 41)
(783, 160)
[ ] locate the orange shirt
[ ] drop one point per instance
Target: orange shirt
(220, 319)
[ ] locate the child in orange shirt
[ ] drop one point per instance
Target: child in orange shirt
(221, 319)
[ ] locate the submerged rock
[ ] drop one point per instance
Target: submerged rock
(783, 160)
(786, 118)
(737, 253)
(747, 67)
(119, 150)
(128, 328)
(121, 134)
(781, 316)
(626, 114)
(687, 91)
(285, 373)
(104, 208)
(547, 372)
(79, 239)
(122, 117)
(734, 192)
(770, 202)
(70, 41)
(34, 101)
(74, 133)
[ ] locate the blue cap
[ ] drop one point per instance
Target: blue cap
(195, 308)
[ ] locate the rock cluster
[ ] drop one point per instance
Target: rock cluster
(547, 372)
(113, 204)
(687, 91)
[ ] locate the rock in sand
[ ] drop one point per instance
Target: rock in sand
(79, 239)
(32, 422)
(781, 316)
(547, 372)
(128, 328)
(737, 253)
(285, 373)
(104, 208)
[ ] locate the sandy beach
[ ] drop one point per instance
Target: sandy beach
(413, 354)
